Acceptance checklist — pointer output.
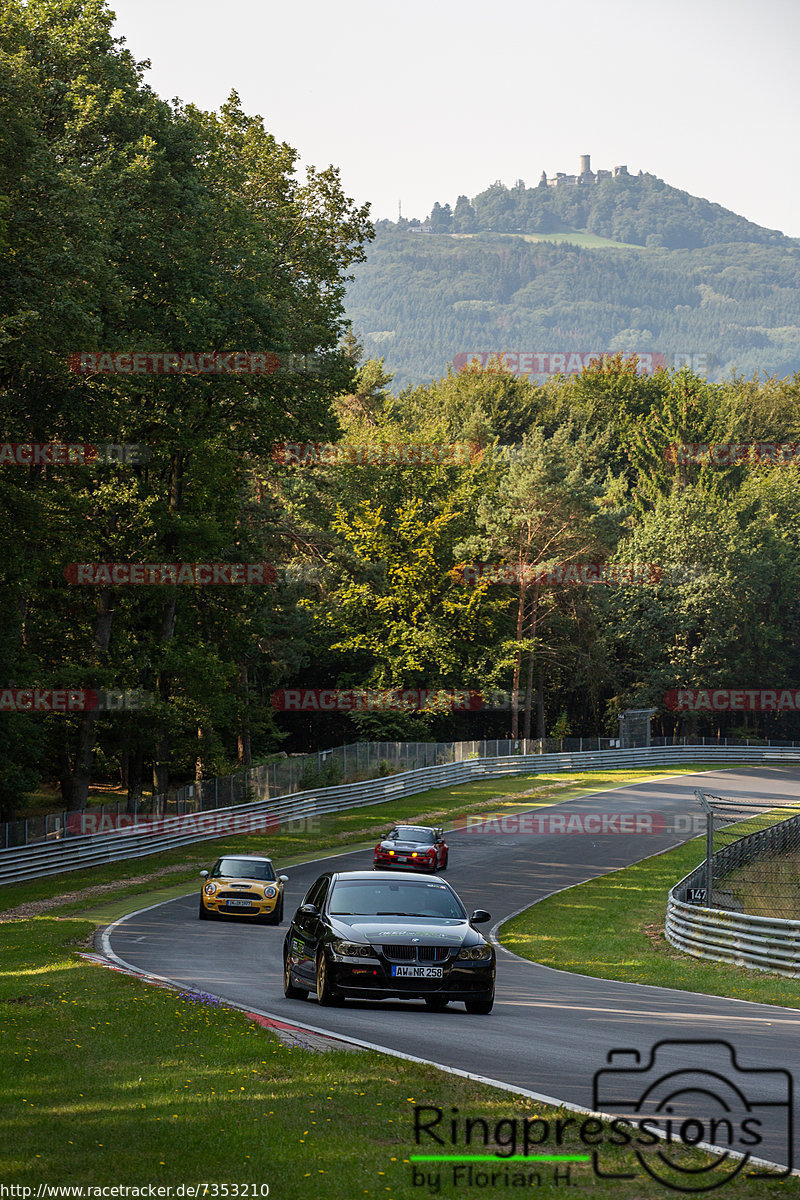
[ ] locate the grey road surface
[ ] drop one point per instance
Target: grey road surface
(549, 1031)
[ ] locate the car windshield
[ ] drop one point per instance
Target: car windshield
(361, 898)
(243, 868)
(411, 833)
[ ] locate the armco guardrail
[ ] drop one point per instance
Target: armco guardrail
(763, 943)
(283, 777)
(70, 853)
(326, 768)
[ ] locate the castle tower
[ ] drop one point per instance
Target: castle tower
(586, 175)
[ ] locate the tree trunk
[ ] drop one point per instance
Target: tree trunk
(540, 726)
(526, 732)
(245, 754)
(517, 661)
(81, 775)
(65, 770)
(164, 682)
(529, 681)
(135, 779)
(200, 762)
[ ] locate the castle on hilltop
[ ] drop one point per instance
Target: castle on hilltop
(587, 175)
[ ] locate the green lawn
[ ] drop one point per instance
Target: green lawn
(575, 237)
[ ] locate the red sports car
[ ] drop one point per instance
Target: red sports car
(414, 847)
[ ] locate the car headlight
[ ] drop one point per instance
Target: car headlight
(351, 949)
(475, 952)
(210, 888)
(269, 892)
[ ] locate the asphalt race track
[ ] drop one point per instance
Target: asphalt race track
(549, 1030)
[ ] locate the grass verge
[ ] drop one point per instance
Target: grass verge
(109, 1081)
(613, 927)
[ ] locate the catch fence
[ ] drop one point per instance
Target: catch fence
(289, 775)
(742, 903)
(133, 838)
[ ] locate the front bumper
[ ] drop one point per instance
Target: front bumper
(383, 863)
(373, 980)
(257, 908)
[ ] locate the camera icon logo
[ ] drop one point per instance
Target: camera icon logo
(691, 1094)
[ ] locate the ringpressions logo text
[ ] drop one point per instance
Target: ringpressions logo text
(686, 1113)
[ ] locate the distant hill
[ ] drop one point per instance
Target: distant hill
(637, 209)
(626, 263)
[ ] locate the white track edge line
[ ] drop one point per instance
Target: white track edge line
(660, 987)
(540, 1097)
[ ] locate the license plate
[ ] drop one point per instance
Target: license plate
(240, 904)
(417, 972)
(402, 858)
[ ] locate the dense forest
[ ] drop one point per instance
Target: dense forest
(649, 268)
(131, 225)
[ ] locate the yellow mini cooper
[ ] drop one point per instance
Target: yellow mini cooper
(242, 885)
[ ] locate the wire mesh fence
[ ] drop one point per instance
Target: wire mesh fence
(324, 768)
(753, 855)
(283, 776)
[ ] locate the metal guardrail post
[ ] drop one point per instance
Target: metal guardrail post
(709, 866)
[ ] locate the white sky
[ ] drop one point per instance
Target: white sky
(419, 101)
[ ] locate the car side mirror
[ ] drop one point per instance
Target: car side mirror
(283, 878)
(204, 874)
(308, 909)
(480, 917)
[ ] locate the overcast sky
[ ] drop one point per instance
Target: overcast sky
(417, 102)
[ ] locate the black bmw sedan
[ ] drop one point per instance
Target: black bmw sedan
(374, 934)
